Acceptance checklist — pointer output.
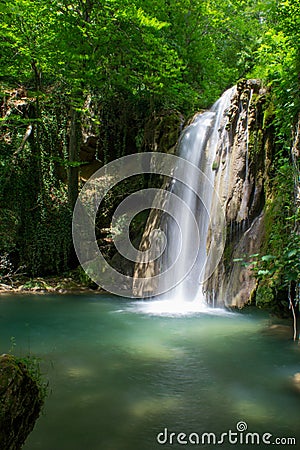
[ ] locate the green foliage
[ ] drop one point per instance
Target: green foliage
(115, 196)
(264, 296)
(280, 265)
(9, 227)
(33, 368)
(277, 62)
(176, 54)
(35, 228)
(80, 276)
(46, 241)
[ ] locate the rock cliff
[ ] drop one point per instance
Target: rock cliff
(241, 165)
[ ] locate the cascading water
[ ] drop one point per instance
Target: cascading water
(230, 150)
(198, 145)
(210, 208)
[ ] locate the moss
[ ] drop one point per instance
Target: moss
(35, 284)
(22, 393)
(227, 255)
(215, 165)
(255, 99)
(255, 143)
(269, 113)
(264, 296)
(9, 369)
(256, 152)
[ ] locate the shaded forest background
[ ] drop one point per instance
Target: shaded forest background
(81, 81)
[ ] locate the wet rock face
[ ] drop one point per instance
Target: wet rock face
(240, 182)
(149, 270)
(233, 283)
(20, 403)
(162, 132)
(241, 166)
(245, 163)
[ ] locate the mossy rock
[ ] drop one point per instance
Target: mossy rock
(20, 402)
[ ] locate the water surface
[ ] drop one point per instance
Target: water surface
(121, 372)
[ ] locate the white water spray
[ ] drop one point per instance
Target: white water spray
(199, 145)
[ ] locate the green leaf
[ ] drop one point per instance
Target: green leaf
(268, 257)
(292, 253)
(263, 272)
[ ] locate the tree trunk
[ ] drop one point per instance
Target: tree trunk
(74, 142)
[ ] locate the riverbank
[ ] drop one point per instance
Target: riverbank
(43, 285)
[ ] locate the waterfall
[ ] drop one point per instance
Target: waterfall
(228, 147)
(198, 145)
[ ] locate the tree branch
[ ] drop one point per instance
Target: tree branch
(24, 140)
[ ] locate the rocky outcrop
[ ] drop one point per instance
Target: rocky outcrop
(241, 165)
(162, 131)
(296, 382)
(20, 403)
(233, 282)
(147, 270)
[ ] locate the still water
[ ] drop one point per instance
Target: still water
(121, 372)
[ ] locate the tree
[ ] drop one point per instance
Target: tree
(277, 63)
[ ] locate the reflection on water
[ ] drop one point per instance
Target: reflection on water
(121, 371)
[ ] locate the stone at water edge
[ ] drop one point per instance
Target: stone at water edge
(20, 403)
(296, 381)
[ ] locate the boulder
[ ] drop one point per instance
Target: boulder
(296, 381)
(20, 402)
